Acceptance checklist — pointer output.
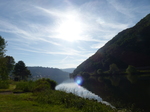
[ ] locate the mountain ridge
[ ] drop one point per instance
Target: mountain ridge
(69, 70)
(129, 47)
(45, 72)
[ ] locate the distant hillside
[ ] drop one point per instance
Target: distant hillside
(52, 73)
(129, 47)
(69, 70)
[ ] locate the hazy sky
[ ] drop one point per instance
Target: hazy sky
(64, 33)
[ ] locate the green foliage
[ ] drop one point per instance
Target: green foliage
(4, 84)
(6, 66)
(100, 71)
(2, 46)
(6, 63)
(3, 69)
(52, 83)
(35, 86)
(71, 101)
(41, 85)
(10, 63)
(23, 86)
(131, 70)
(25, 103)
(113, 69)
(21, 72)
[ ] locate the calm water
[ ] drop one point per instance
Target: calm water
(70, 86)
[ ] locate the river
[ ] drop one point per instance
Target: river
(70, 86)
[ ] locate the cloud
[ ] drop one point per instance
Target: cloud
(122, 7)
(63, 60)
(31, 33)
(68, 51)
(92, 25)
(32, 26)
(131, 9)
(51, 12)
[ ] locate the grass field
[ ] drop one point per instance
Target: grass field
(25, 103)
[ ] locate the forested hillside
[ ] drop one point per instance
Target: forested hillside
(52, 73)
(129, 47)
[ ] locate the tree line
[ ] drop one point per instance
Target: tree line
(8, 68)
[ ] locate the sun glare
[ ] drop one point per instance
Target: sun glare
(70, 29)
(78, 80)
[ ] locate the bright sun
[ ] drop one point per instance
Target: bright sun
(70, 29)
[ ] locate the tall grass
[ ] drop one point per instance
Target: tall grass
(71, 101)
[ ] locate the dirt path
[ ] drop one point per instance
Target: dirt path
(10, 92)
(6, 92)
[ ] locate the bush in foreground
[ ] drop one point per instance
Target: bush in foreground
(35, 86)
(41, 85)
(24, 86)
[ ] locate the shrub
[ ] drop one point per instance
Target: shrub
(24, 86)
(52, 83)
(113, 69)
(36, 86)
(41, 85)
(131, 70)
(4, 84)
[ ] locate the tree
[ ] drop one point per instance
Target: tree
(100, 71)
(113, 69)
(10, 63)
(20, 71)
(131, 70)
(3, 67)
(2, 47)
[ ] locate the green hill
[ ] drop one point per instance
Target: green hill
(129, 47)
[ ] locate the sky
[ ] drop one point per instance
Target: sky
(64, 33)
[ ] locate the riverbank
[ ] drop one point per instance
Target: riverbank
(45, 102)
(48, 100)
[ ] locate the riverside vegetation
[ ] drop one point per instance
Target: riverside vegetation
(40, 96)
